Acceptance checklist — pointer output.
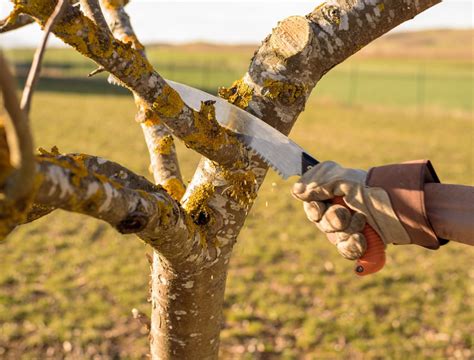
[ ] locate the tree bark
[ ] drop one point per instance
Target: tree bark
(280, 78)
(190, 265)
(186, 311)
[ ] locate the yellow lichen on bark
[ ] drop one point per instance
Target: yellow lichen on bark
(239, 94)
(87, 38)
(39, 9)
(196, 205)
(82, 34)
(242, 186)
(199, 216)
(165, 145)
(175, 188)
(283, 91)
(208, 132)
(168, 104)
(114, 4)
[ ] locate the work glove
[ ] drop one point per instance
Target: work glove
(343, 227)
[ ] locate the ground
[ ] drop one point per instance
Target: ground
(68, 283)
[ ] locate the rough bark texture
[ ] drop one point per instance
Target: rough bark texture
(280, 78)
(136, 73)
(192, 250)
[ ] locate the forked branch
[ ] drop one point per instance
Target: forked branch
(136, 73)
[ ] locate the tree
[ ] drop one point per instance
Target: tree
(191, 230)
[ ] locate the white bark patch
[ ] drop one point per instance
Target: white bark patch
(271, 74)
(101, 161)
(109, 195)
(324, 36)
(61, 180)
(377, 11)
(122, 175)
(92, 190)
(326, 26)
(344, 24)
(189, 284)
(283, 114)
(359, 5)
(370, 20)
(195, 334)
(152, 81)
(180, 312)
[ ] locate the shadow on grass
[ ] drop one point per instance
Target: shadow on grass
(86, 86)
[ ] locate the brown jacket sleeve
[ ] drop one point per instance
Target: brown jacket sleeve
(429, 211)
(450, 209)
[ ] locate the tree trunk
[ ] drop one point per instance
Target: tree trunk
(193, 237)
(186, 311)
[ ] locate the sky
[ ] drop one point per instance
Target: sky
(231, 21)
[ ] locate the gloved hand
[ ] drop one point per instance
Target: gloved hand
(343, 228)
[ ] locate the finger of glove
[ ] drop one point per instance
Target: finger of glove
(356, 225)
(336, 218)
(314, 210)
(310, 192)
(354, 247)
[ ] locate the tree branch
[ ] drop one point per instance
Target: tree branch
(129, 65)
(104, 168)
(92, 10)
(15, 21)
(280, 78)
(128, 202)
(20, 143)
(160, 143)
(35, 69)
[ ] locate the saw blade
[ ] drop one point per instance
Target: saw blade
(274, 148)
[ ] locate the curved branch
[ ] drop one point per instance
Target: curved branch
(20, 143)
(128, 202)
(104, 168)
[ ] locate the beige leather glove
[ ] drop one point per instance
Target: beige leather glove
(343, 228)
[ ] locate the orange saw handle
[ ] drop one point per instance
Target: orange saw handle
(373, 259)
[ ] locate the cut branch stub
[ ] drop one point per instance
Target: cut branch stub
(291, 36)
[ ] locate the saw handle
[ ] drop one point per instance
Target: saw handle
(373, 259)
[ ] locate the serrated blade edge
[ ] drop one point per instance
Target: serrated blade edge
(276, 149)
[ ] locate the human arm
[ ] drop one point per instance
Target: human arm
(404, 203)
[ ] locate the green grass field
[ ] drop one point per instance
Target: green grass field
(68, 283)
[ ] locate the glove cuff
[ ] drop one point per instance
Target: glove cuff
(404, 184)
